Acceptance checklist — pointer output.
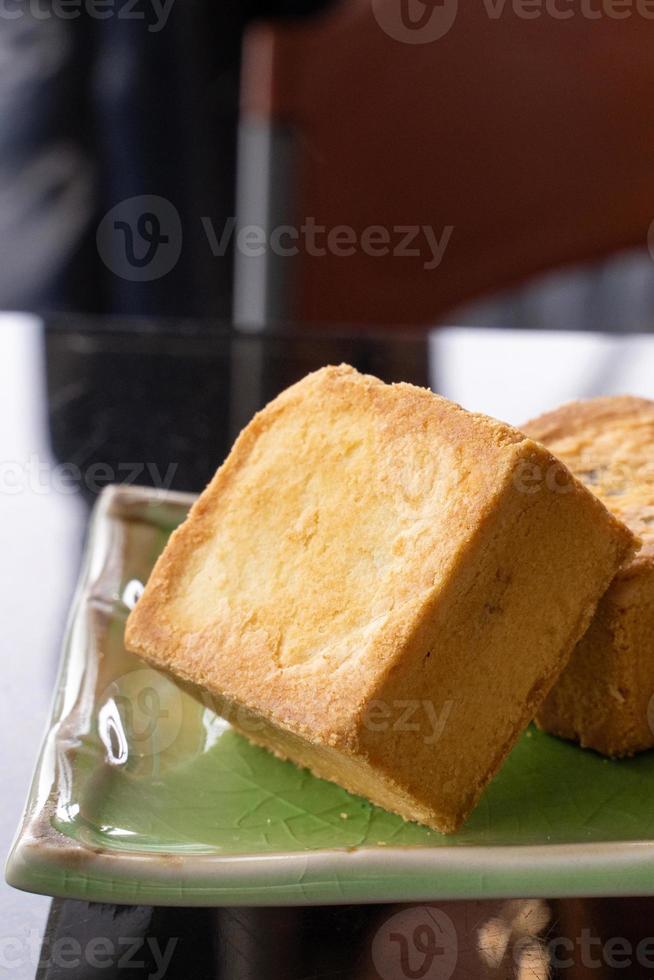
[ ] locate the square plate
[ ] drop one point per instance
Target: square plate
(143, 795)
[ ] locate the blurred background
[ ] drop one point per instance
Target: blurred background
(354, 162)
(202, 201)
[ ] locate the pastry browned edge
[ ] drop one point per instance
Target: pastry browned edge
(605, 698)
(367, 589)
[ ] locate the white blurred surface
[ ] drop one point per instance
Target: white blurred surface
(36, 531)
(514, 375)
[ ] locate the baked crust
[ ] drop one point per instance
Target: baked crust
(604, 698)
(608, 444)
(365, 547)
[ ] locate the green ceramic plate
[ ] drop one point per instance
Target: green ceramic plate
(142, 794)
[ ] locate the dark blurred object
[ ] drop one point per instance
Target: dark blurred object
(102, 105)
(594, 938)
(484, 940)
(525, 133)
(84, 941)
(520, 939)
(132, 401)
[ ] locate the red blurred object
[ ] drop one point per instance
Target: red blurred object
(529, 135)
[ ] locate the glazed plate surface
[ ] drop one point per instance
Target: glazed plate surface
(143, 795)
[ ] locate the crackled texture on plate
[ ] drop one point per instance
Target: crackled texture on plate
(367, 547)
(605, 698)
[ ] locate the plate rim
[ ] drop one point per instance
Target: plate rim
(68, 868)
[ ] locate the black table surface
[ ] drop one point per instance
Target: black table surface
(89, 402)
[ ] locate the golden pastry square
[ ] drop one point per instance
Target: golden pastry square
(605, 697)
(377, 585)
